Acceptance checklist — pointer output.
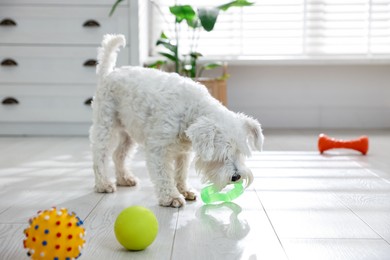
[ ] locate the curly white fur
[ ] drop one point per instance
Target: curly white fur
(168, 115)
(107, 54)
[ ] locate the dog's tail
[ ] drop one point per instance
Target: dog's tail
(107, 54)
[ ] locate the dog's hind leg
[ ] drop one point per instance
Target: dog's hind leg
(161, 171)
(101, 135)
(126, 146)
(182, 164)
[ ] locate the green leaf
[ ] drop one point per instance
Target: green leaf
(156, 64)
(195, 23)
(237, 3)
(183, 12)
(208, 17)
(212, 65)
(163, 36)
(224, 77)
(115, 6)
(196, 55)
(209, 66)
(169, 56)
(167, 44)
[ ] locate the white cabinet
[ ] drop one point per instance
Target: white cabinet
(48, 55)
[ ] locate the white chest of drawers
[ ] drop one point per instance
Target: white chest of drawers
(47, 54)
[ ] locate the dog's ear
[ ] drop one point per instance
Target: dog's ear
(202, 135)
(254, 132)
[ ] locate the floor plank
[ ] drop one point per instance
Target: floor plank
(373, 208)
(313, 215)
(11, 242)
(336, 249)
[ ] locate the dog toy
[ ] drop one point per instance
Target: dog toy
(326, 143)
(54, 234)
(136, 228)
(210, 194)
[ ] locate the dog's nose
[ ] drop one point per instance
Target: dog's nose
(236, 177)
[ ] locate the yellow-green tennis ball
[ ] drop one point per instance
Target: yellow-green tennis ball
(136, 228)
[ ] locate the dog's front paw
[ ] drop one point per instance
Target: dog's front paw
(189, 195)
(127, 181)
(173, 202)
(107, 187)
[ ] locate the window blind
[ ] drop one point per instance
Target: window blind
(286, 28)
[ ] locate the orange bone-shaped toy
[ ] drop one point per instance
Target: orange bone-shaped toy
(326, 143)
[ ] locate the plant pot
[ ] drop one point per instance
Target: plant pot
(216, 87)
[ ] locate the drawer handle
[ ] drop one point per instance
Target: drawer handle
(88, 102)
(7, 22)
(10, 101)
(90, 63)
(91, 23)
(9, 63)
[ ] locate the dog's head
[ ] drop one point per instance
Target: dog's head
(221, 147)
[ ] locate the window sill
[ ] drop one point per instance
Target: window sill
(283, 60)
(291, 60)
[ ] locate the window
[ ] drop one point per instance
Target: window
(288, 29)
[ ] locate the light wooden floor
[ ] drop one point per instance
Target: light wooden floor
(302, 205)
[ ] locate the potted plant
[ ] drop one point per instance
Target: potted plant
(186, 64)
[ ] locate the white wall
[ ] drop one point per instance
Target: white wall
(312, 96)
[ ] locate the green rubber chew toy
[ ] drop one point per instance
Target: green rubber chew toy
(210, 194)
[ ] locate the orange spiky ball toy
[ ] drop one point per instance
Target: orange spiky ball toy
(54, 234)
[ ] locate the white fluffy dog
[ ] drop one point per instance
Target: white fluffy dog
(168, 115)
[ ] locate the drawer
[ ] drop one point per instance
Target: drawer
(47, 90)
(62, 2)
(47, 108)
(45, 128)
(51, 64)
(65, 25)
